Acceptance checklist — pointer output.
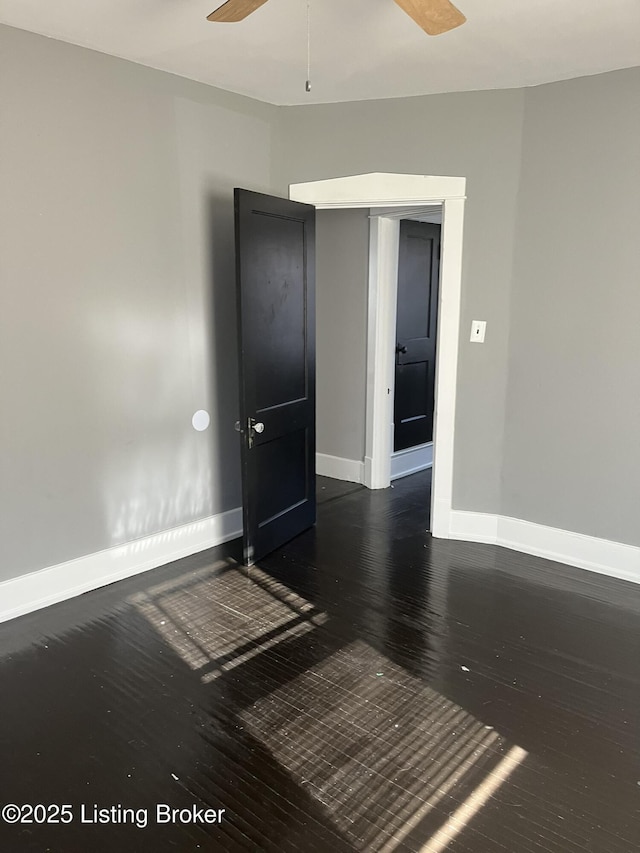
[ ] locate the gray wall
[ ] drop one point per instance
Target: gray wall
(572, 439)
(117, 312)
(342, 263)
(477, 135)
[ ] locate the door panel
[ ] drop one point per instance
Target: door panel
(275, 255)
(416, 325)
(411, 382)
(284, 463)
(276, 312)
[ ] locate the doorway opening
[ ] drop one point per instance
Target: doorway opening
(418, 275)
(390, 198)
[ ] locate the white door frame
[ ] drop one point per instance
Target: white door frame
(408, 192)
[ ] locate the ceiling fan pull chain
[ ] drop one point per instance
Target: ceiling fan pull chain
(308, 83)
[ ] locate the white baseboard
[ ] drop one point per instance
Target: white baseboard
(411, 460)
(563, 546)
(338, 468)
(473, 526)
(56, 583)
(39, 589)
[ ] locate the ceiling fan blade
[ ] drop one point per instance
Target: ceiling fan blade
(235, 10)
(434, 16)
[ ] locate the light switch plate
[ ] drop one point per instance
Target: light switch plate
(478, 329)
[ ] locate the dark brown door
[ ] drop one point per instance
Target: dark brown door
(275, 258)
(418, 274)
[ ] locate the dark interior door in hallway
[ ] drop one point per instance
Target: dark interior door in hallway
(418, 274)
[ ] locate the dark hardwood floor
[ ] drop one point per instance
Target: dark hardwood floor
(366, 688)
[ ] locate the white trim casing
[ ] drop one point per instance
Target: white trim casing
(56, 583)
(384, 241)
(563, 546)
(378, 189)
(447, 366)
(425, 213)
(339, 468)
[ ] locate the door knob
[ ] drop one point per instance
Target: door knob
(236, 426)
(253, 428)
(401, 349)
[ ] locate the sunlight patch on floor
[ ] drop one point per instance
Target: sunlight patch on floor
(381, 750)
(391, 760)
(475, 801)
(220, 617)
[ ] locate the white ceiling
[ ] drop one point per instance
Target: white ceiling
(360, 48)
